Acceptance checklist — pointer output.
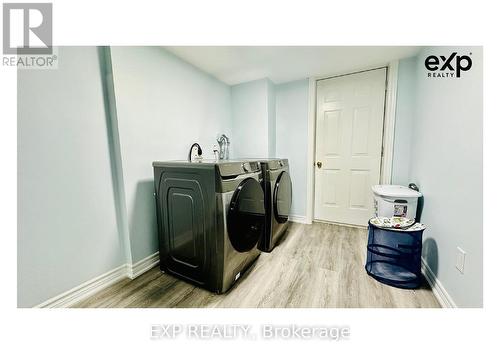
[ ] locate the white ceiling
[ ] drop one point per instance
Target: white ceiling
(234, 65)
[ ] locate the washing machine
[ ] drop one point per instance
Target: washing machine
(211, 216)
(277, 187)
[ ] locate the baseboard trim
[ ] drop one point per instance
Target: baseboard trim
(364, 227)
(142, 266)
(92, 286)
(438, 289)
(298, 219)
(84, 290)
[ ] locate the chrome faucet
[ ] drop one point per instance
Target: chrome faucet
(216, 152)
(196, 149)
(223, 142)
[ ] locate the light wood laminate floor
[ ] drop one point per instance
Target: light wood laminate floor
(318, 265)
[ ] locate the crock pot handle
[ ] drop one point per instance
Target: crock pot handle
(414, 187)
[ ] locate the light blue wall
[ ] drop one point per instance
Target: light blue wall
(291, 137)
(67, 219)
(291, 130)
(252, 119)
(163, 106)
(405, 115)
(271, 114)
(69, 213)
(446, 162)
(67, 228)
(438, 145)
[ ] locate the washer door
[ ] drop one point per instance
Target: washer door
(282, 198)
(246, 216)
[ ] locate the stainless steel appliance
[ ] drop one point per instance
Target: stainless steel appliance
(211, 216)
(277, 187)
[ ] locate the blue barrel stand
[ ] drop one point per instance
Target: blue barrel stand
(394, 256)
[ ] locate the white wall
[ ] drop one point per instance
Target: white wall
(405, 116)
(163, 106)
(252, 116)
(447, 165)
(291, 137)
(67, 228)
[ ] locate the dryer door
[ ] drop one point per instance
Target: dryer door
(282, 197)
(246, 215)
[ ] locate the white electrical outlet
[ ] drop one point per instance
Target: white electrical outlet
(460, 264)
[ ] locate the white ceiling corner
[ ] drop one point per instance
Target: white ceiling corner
(234, 65)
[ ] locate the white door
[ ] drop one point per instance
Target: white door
(349, 127)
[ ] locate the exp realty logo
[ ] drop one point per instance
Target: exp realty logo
(27, 36)
(447, 67)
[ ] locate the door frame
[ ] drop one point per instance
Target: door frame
(387, 137)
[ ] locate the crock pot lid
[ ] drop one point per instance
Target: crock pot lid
(395, 191)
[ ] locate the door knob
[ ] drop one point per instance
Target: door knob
(319, 164)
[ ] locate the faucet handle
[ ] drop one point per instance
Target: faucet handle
(216, 152)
